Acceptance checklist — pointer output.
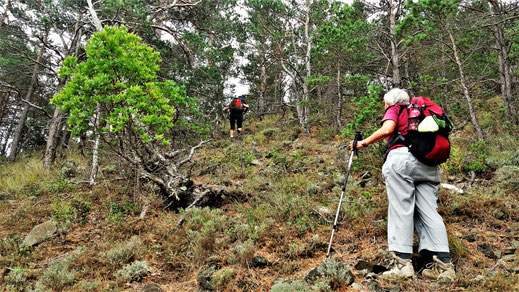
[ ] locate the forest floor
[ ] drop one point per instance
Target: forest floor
(289, 183)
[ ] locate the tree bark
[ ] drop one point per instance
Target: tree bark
(395, 57)
(339, 96)
(468, 98)
(93, 14)
(95, 150)
(4, 101)
(23, 117)
(263, 83)
(52, 139)
(7, 135)
(8, 6)
(308, 66)
(504, 64)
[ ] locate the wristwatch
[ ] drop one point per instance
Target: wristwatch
(363, 143)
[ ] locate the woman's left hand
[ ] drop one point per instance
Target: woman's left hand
(359, 145)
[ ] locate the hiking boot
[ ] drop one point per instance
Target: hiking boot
(440, 271)
(401, 269)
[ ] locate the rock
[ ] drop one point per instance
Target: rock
(204, 279)
(509, 250)
(366, 175)
(489, 251)
(151, 288)
(479, 278)
(470, 238)
(256, 162)
(41, 233)
(510, 258)
(324, 211)
(368, 182)
(69, 169)
(452, 188)
(259, 262)
(374, 286)
(332, 270)
(499, 214)
(256, 152)
(357, 287)
(393, 289)
(364, 265)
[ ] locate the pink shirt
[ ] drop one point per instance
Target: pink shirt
(401, 121)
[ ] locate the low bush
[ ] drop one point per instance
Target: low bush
(124, 252)
(136, 271)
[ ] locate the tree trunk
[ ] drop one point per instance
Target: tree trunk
(473, 118)
(504, 65)
(65, 136)
(52, 139)
(95, 150)
(339, 96)
(395, 57)
(55, 123)
(263, 83)
(6, 11)
(308, 66)
(23, 117)
(4, 101)
(7, 135)
(93, 14)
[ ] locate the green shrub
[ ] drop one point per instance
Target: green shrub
(243, 253)
(294, 286)
(60, 185)
(202, 226)
(221, 278)
(508, 176)
(63, 212)
(133, 272)
(125, 252)
(16, 278)
(87, 286)
(58, 275)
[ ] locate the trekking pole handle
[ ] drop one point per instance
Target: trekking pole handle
(358, 137)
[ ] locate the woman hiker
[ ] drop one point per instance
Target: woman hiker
(236, 108)
(412, 191)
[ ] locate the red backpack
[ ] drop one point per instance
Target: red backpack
(236, 105)
(427, 132)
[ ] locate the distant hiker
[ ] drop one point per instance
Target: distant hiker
(236, 108)
(412, 190)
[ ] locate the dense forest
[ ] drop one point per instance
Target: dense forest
(145, 82)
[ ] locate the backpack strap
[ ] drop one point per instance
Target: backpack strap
(398, 138)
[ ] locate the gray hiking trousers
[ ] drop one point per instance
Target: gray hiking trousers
(412, 191)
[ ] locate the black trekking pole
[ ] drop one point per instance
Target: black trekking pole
(353, 151)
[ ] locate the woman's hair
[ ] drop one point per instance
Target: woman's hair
(396, 95)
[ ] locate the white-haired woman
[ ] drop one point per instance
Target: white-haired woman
(412, 190)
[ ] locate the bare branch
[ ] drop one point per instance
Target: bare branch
(193, 151)
(37, 107)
